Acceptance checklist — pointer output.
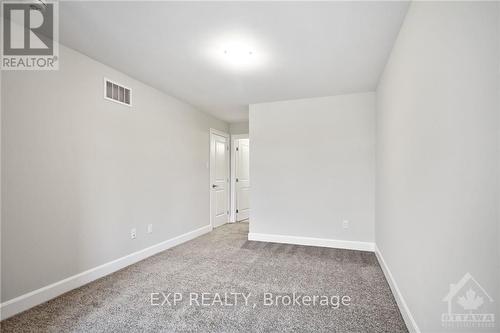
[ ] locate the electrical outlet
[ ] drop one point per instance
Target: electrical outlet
(345, 224)
(133, 233)
(150, 228)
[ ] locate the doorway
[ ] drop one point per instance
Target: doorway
(240, 177)
(219, 178)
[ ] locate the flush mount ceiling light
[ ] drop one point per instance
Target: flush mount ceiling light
(238, 53)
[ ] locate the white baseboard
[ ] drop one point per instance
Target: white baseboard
(410, 322)
(31, 299)
(323, 242)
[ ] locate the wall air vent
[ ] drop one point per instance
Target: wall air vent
(117, 93)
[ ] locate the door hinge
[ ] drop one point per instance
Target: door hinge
(227, 212)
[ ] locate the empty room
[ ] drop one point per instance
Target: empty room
(253, 166)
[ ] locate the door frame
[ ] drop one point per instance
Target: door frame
(234, 137)
(227, 136)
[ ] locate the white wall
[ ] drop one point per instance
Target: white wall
(437, 163)
(312, 166)
(498, 84)
(78, 172)
(238, 128)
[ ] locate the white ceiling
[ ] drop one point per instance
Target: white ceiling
(309, 49)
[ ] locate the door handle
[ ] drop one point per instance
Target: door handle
(214, 186)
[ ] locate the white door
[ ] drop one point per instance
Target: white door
(242, 179)
(219, 178)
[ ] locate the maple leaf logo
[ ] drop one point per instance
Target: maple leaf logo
(470, 301)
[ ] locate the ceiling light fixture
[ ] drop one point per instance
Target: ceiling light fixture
(237, 53)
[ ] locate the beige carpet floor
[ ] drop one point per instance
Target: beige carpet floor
(220, 263)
